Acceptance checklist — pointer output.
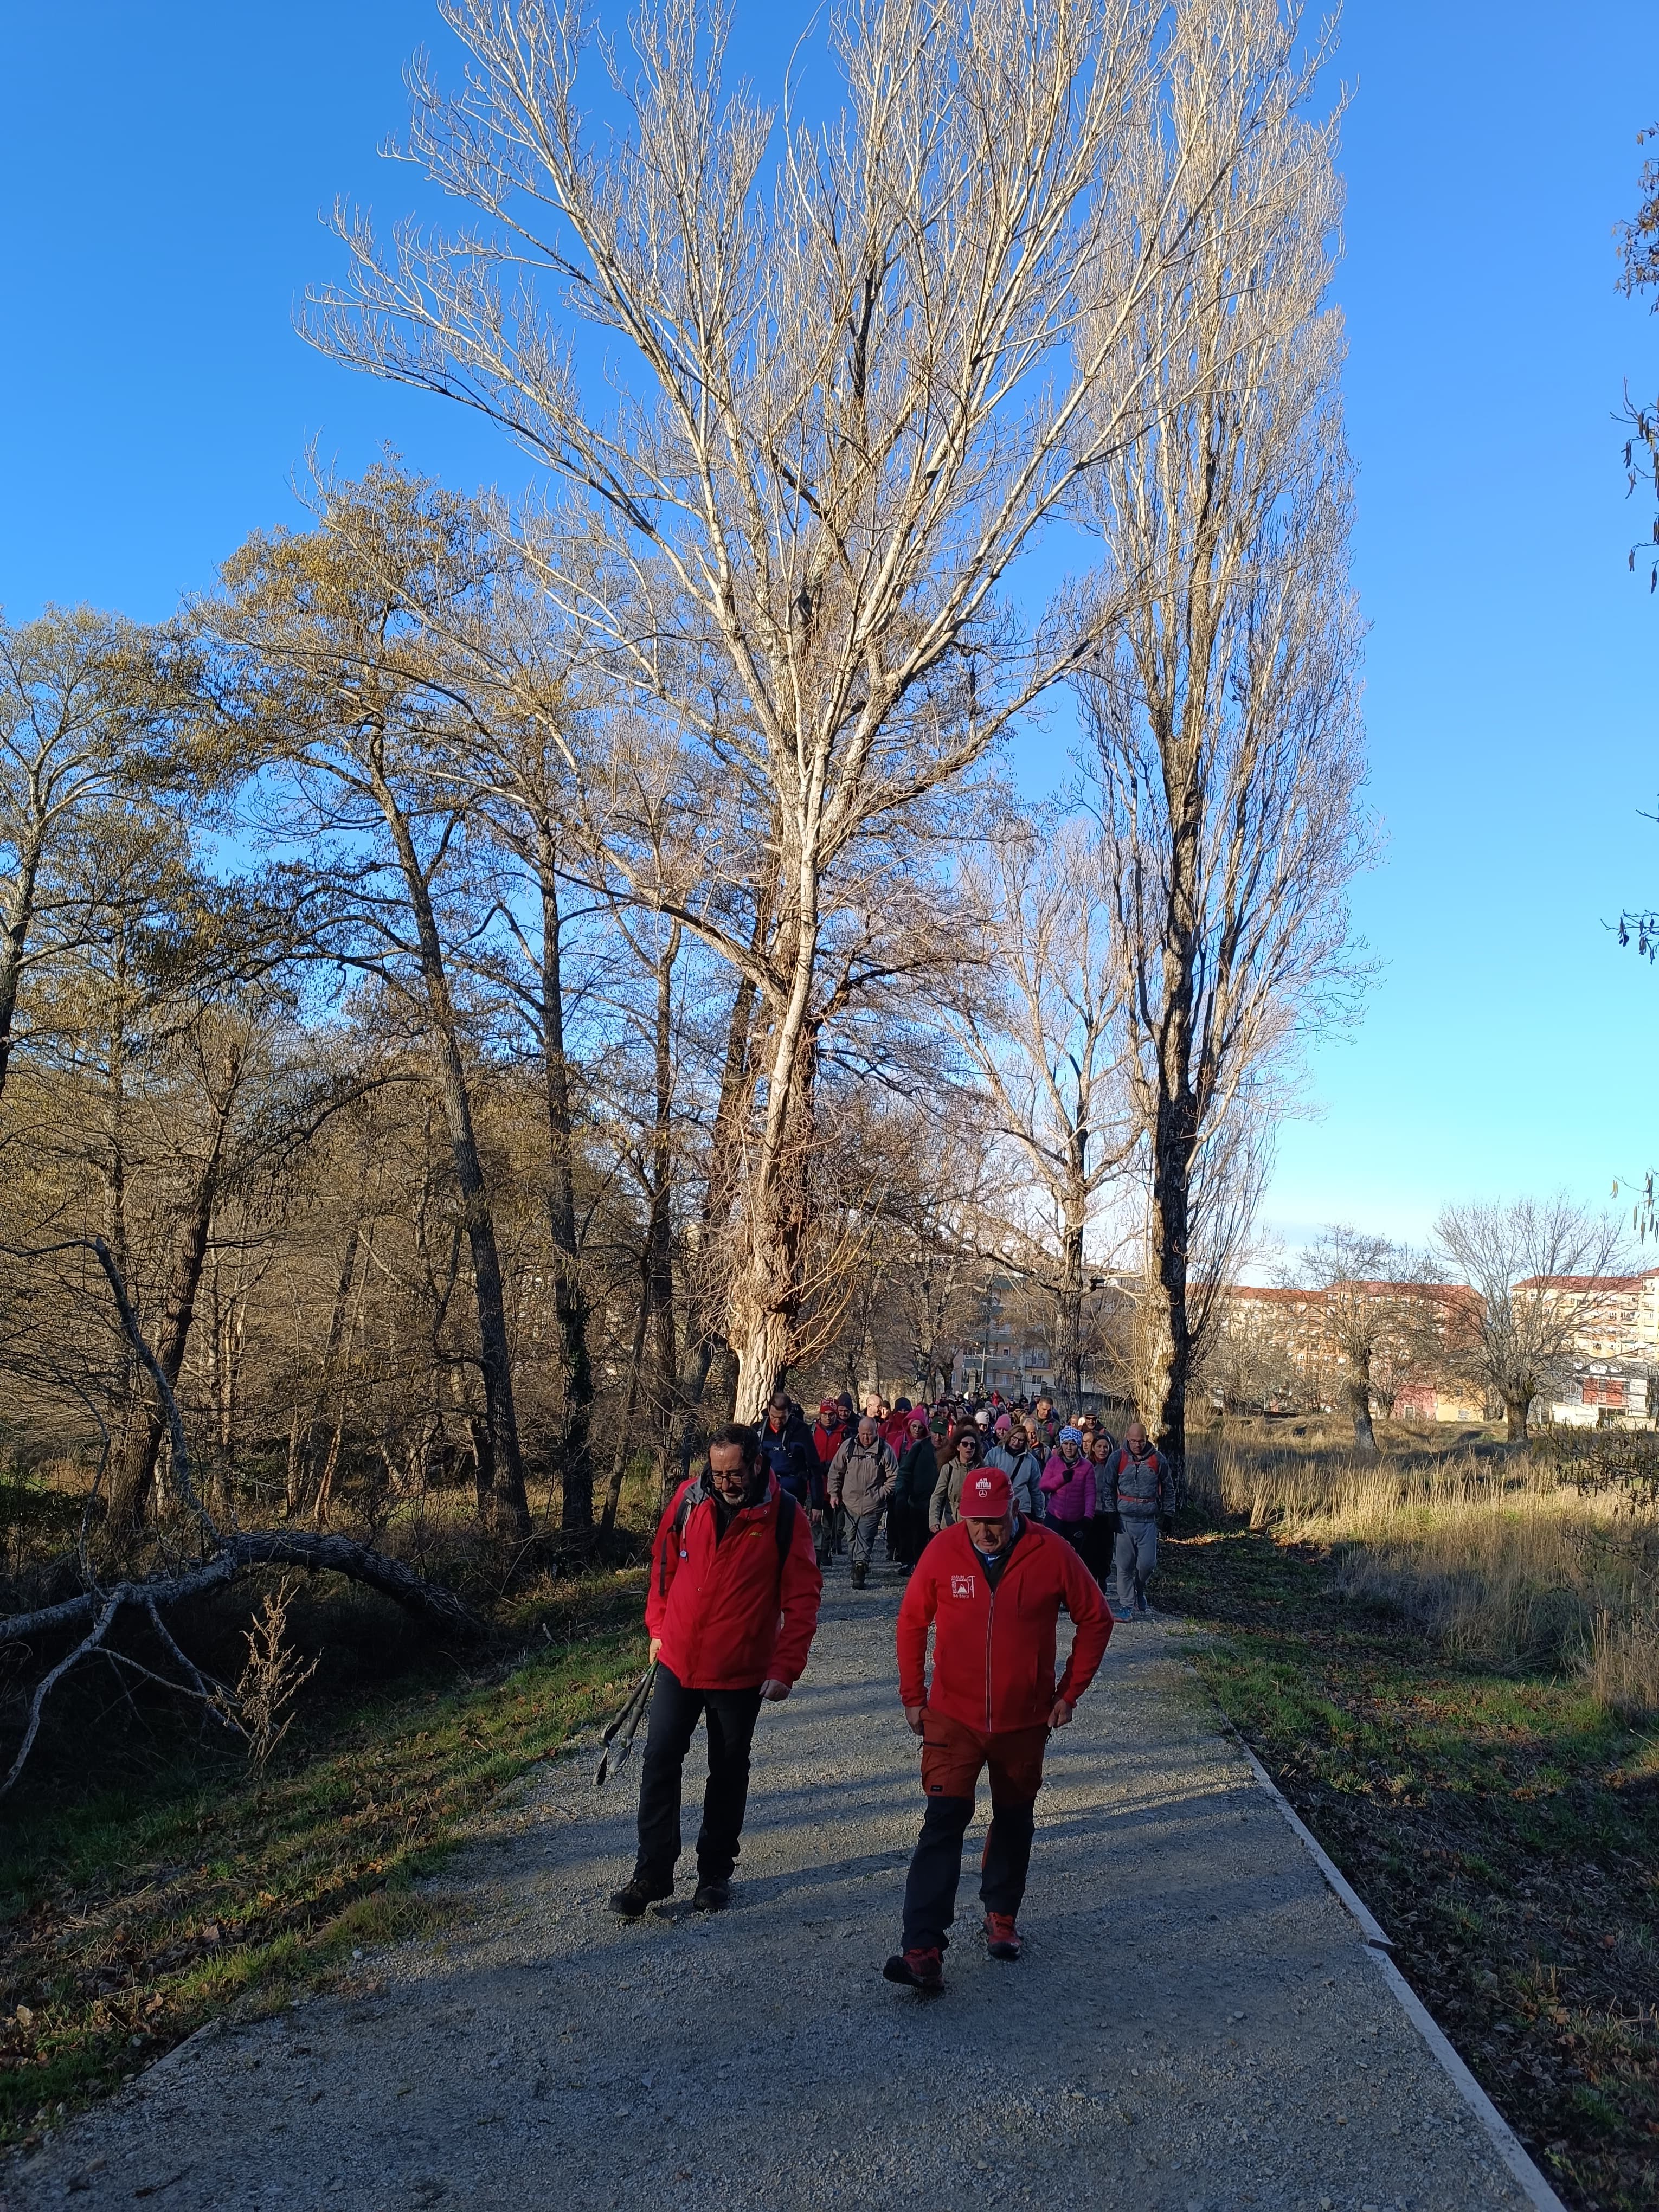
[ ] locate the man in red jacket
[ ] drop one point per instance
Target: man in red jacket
(991, 1584)
(732, 1607)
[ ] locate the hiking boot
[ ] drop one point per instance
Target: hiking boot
(637, 1893)
(858, 1578)
(1001, 1937)
(711, 1896)
(916, 1970)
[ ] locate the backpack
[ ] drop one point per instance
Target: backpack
(788, 1509)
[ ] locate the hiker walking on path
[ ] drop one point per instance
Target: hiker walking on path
(786, 1446)
(991, 1587)
(1069, 1486)
(730, 1610)
(830, 1432)
(1021, 1465)
(1141, 1493)
(861, 1478)
(907, 1510)
(1103, 1533)
(965, 1456)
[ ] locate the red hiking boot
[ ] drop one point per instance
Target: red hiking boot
(1001, 1937)
(917, 1970)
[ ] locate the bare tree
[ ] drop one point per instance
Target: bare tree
(1042, 1022)
(1224, 714)
(335, 696)
(856, 382)
(86, 700)
(1380, 1313)
(1539, 1271)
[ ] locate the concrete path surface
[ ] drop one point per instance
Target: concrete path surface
(1196, 2025)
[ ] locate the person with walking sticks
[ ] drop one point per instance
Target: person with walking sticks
(991, 1586)
(731, 1610)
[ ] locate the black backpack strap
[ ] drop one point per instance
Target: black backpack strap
(692, 1499)
(788, 1509)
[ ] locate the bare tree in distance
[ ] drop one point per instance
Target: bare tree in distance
(855, 379)
(1041, 1022)
(1378, 1313)
(1537, 1268)
(1222, 716)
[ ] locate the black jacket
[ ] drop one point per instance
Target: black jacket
(917, 1471)
(791, 1454)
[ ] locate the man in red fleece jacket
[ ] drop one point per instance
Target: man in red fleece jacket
(992, 1585)
(731, 1610)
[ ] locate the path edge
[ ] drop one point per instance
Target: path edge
(1369, 1926)
(1378, 1948)
(1505, 2142)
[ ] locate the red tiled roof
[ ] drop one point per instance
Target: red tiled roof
(1440, 1292)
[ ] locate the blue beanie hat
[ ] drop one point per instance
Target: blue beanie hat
(1071, 1436)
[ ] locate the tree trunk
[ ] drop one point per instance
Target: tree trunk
(1170, 1367)
(1359, 1406)
(115, 1182)
(316, 1428)
(1070, 1288)
(657, 1260)
(731, 1378)
(569, 1297)
(136, 1470)
(769, 1296)
(1515, 1410)
(508, 1505)
(14, 939)
(677, 1398)
(619, 1451)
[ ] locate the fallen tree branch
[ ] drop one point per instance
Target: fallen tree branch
(47, 1683)
(315, 1549)
(230, 1557)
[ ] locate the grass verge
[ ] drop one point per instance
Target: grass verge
(132, 1913)
(1503, 1827)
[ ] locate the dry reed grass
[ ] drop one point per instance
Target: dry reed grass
(1492, 1558)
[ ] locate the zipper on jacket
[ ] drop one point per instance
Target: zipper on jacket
(990, 1628)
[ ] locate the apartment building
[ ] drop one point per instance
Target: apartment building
(1276, 1347)
(1616, 1317)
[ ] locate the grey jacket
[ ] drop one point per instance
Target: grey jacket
(861, 1476)
(1023, 1470)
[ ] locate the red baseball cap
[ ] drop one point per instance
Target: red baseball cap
(985, 1495)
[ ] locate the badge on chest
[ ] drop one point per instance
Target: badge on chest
(962, 1586)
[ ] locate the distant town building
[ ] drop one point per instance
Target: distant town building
(1276, 1348)
(1616, 1317)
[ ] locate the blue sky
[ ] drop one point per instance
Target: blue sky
(164, 168)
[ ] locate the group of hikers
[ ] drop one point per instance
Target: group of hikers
(999, 1517)
(905, 1464)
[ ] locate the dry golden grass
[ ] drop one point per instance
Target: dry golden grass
(1490, 1556)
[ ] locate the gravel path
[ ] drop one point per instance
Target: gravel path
(1195, 2025)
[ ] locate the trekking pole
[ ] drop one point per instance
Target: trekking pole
(618, 1736)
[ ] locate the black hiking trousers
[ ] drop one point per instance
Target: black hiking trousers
(675, 1711)
(929, 1887)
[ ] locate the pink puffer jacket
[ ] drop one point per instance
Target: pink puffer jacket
(1070, 1491)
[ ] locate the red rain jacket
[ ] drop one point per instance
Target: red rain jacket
(727, 1618)
(829, 1441)
(993, 1652)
